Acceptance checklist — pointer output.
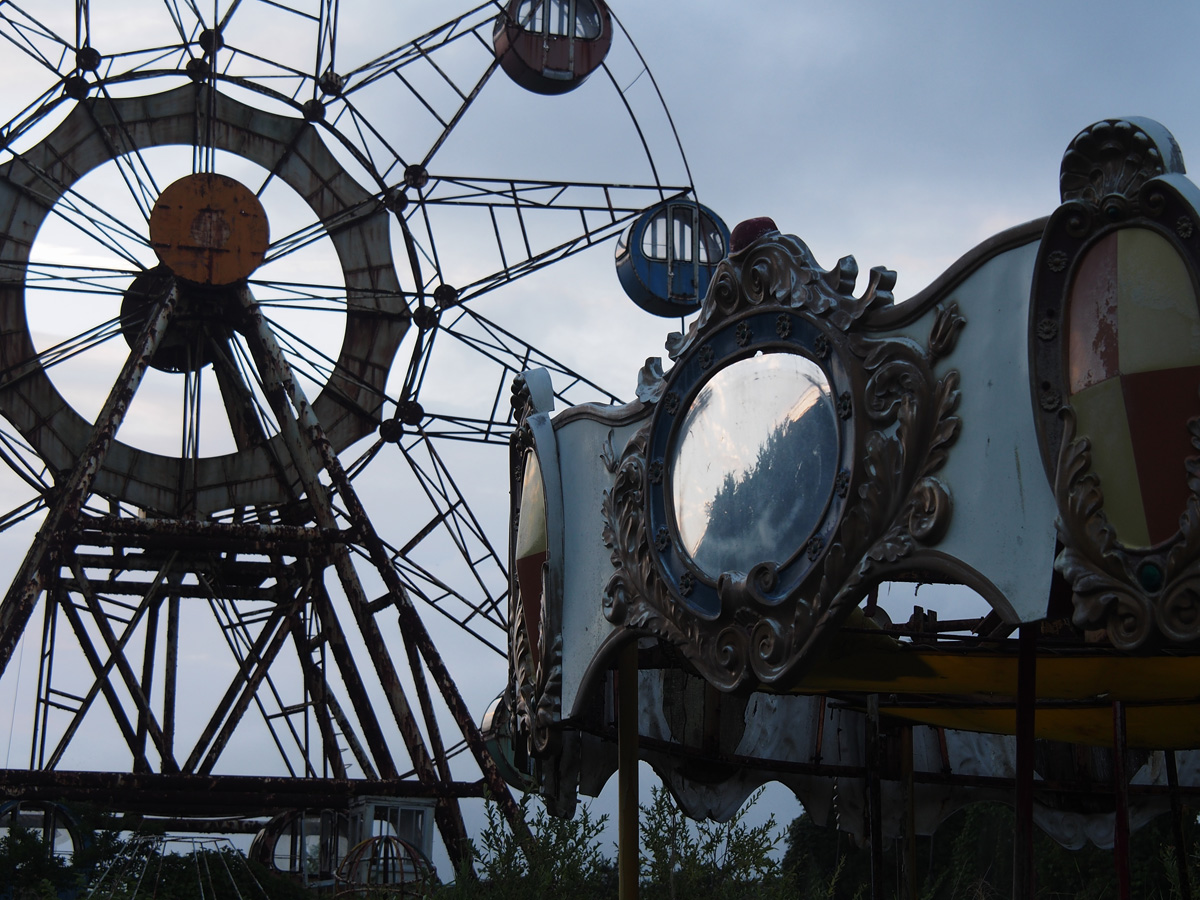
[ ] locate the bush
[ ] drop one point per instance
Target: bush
(564, 859)
(683, 858)
(28, 868)
(680, 858)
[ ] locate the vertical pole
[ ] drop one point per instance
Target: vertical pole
(1023, 873)
(63, 511)
(874, 798)
(1181, 850)
(910, 813)
(299, 426)
(1121, 789)
(148, 673)
(628, 851)
(170, 671)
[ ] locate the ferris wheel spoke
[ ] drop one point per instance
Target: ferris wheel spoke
(177, 17)
(92, 220)
(371, 146)
(482, 619)
(20, 458)
(189, 450)
(31, 115)
(317, 231)
(36, 40)
(452, 605)
(467, 100)
(301, 294)
(137, 175)
(327, 26)
(455, 519)
(97, 281)
(420, 48)
(61, 352)
(233, 7)
(515, 354)
(26, 510)
(589, 212)
(316, 365)
(83, 23)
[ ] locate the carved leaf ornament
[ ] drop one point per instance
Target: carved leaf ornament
(1115, 359)
(817, 494)
(535, 633)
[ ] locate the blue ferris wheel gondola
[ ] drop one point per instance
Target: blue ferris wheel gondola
(666, 258)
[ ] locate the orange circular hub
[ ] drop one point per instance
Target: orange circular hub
(209, 229)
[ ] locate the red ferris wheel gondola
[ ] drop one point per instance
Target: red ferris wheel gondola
(552, 46)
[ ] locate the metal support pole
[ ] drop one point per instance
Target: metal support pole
(1181, 850)
(874, 798)
(18, 603)
(910, 813)
(628, 850)
(281, 381)
(1121, 791)
(1023, 872)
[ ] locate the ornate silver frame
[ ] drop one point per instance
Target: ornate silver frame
(536, 703)
(1116, 174)
(766, 625)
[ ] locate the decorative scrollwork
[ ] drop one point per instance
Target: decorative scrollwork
(1129, 594)
(537, 685)
(779, 270)
(1113, 159)
(906, 423)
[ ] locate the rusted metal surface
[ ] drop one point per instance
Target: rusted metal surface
(242, 535)
(241, 690)
(28, 582)
(356, 222)
(209, 228)
(305, 436)
(410, 621)
(117, 657)
(213, 795)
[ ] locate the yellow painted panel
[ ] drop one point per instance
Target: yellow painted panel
(1162, 693)
(1100, 417)
(1158, 321)
(906, 670)
(531, 526)
(1149, 727)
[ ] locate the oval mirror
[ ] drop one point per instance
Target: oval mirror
(755, 463)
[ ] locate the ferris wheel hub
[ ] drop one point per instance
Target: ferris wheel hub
(209, 229)
(205, 317)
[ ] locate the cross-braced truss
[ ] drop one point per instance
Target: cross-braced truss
(216, 619)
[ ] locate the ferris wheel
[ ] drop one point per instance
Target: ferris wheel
(249, 252)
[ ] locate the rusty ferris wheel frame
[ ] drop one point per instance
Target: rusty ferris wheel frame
(269, 540)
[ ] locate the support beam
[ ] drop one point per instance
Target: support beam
(1121, 807)
(1023, 870)
(64, 511)
(628, 839)
(1181, 848)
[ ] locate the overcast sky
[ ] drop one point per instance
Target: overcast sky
(901, 133)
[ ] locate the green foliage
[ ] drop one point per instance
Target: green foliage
(142, 869)
(682, 858)
(564, 859)
(970, 858)
(28, 868)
